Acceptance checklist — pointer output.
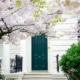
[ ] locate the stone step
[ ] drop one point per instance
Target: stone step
(37, 76)
(43, 76)
(59, 77)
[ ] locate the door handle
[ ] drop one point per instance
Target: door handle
(39, 56)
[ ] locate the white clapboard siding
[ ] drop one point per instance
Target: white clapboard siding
(14, 49)
(1, 49)
(62, 42)
(59, 46)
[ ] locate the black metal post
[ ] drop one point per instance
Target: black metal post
(18, 66)
(57, 60)
(78, 29)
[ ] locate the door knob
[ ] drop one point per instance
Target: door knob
(39, 56)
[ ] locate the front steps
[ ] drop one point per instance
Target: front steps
(59, 77)
(37, 76)
(43, 76)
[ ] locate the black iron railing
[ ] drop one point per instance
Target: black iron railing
(16, 64)
(12, 65)
(57, 61)
(0, 64)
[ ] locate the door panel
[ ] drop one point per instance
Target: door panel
(39, 53)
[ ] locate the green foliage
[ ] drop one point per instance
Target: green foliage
(35, 13)
(0, 76)
(18, 3)
(10, 79)
(70, 62)
(39, 1)
(56, 19)
(10, 0)
(39, 5)
(35, 1)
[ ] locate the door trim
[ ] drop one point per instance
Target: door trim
(29, 54)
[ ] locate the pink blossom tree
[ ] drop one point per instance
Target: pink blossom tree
(34, 17)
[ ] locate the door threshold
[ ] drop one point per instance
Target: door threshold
(39, 71)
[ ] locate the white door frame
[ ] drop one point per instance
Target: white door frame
(29, 64)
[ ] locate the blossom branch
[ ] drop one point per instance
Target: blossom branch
(4, 23)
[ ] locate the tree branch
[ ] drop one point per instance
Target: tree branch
(23, 30)
(1, 30)
(5, 31)
(12, 12)
(5, 24)
(21, 25)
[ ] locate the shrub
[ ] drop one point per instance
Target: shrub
(0, 76)
(70, 62)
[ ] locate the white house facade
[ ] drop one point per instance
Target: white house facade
(39, 55)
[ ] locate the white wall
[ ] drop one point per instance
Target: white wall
(28, 54)
(59, 47)
(55, 46)
(5, 67)
(14, 49)
(1, 49)
(61, 44)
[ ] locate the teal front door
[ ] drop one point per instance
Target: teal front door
(39, 53)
